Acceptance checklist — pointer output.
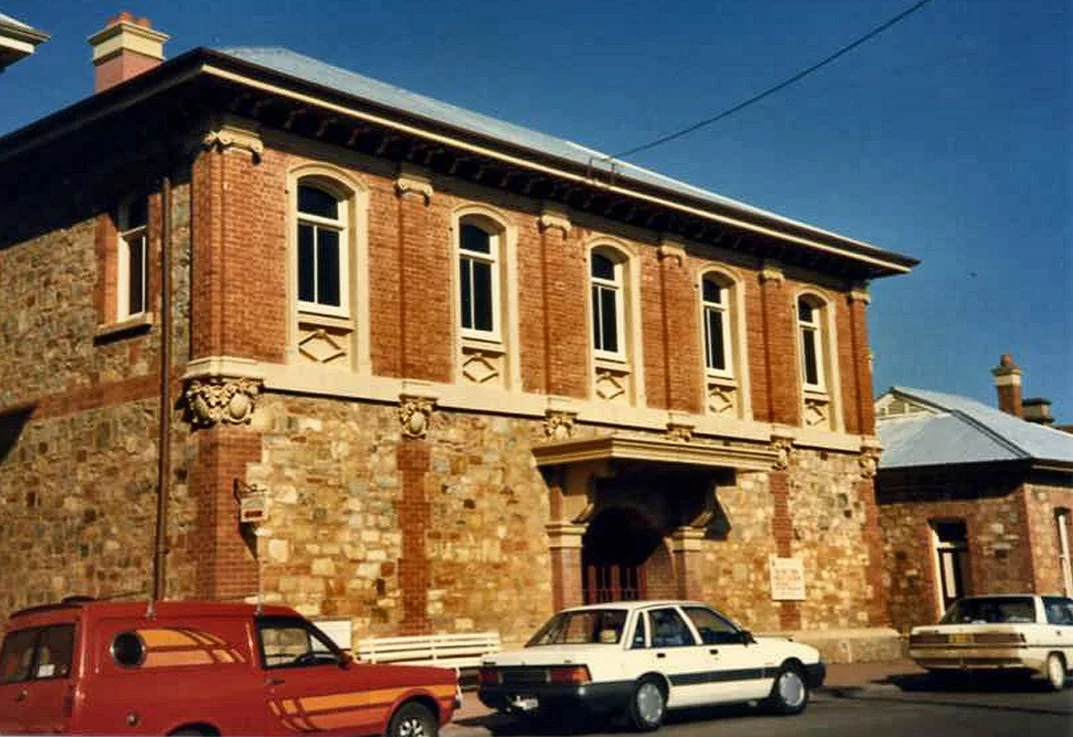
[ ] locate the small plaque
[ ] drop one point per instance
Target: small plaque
(787, 579)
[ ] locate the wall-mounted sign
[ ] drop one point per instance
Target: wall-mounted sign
(787, 579)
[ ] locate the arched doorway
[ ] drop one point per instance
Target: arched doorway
(620, 550)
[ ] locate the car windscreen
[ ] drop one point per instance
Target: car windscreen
(585, 627)
(991, 610)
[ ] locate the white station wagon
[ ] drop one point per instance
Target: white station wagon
(639, 659)
(1025, 633)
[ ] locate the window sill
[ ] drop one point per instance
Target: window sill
(325, 321)
(721, 379)
(491, 345)
(618, 363)
(817, 394)
(123, 329)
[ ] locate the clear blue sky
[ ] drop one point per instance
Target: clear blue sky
(949, 137)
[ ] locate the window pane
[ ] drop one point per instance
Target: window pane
(716, 349)
(136, 286)
(668, 629)
(306, 289)
(328, 291)
(482, 295)
(712, 292)
(17, 656)
(804, 311)
(597, 324)
(713, 629)
(639, 632)
(285, 646)
(808, 346)
(54, 652)
(317, 202)
(475, 239)
(602, 267)
(609, 314)
(466, 285)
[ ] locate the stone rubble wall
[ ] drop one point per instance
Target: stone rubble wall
(1042, 501)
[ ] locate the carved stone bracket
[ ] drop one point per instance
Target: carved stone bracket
(232, 138)
(216, 399)
(783, 445)
(869, 459)
(413, 180)
(554, 219)
(415, 415)
(859, 293)
(669, 249)
(680, 431)
(559, 424)
(771, 272)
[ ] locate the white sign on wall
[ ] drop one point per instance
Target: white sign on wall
(787, 579)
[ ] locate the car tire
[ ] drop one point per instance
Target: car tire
(1055, 672)
(789, 692)
(413, 720)
(648, 703)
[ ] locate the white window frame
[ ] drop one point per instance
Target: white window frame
(494, 259)
(725, 308)
(341, 225)
(618, 286)
(1062, 517)
(815, 329)
(123, 275)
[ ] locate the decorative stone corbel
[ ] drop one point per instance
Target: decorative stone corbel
(559, 424)
(860, 293)
(783, 445)
(233, 138)
(415, 415)
(552, 218)
(214, 399)
(415, 180)
(869, 458)
(680, 428)
(671, 249)
(772, 271)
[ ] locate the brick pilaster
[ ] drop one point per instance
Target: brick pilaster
(568, 341)
(861, 368)
(782, 376)
(878, 610)
(564, 548)
(783, 532)
(415, 516)
(686, 546)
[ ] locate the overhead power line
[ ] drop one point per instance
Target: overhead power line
(772, 90)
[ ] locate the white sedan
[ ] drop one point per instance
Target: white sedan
(1008, 632)
(640, 659)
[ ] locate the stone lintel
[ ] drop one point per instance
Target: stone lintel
(616, 447)
(686, 540)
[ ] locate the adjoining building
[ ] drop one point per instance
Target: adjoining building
(972, 499)
(17, 40)
(428, 371)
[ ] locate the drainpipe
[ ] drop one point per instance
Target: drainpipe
(164, 440)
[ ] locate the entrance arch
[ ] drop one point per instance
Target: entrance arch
(623, 558)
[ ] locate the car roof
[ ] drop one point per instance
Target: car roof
(635, 605)
(140, 609)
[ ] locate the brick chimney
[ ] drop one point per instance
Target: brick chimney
(126, 47)
(1038, 410)
(1008, 383)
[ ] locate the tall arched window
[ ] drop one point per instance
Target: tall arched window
(323, 263)
(478, 283)
(810, 327)
(718, 347)
(608, 309)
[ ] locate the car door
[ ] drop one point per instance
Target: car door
(35, 676)
(673, 652)
(735, 669)
(16, 668)
(1058, 611)
(306, 687)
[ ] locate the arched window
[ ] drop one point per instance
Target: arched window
(608, 298)
(718, 347)
(478, 283)
(810, 327)
(323, 263)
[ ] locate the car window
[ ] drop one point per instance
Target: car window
(55, 649)
(639, 632)
(293, 644)
(1058, 610)
(713, 629)
(669, 629)
(17, 656)
(992, 610)
(582, 627)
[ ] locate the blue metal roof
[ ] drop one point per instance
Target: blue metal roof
(952, 429)
(311, 70)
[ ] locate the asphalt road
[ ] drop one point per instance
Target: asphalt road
(911, 706)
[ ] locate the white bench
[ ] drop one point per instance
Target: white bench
(456, 651)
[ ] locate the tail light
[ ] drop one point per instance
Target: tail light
(999, 638)
(489, 677)
(576, 675)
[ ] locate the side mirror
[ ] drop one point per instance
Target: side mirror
(747, 638)
(345, 659)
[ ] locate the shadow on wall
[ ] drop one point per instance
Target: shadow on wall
(11, 426)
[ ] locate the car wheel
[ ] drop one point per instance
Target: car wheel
(647, 705)
(789, 693)
(1056, 672)
(413, 720)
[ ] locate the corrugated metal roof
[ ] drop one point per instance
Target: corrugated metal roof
(311, 70)
(960, 430)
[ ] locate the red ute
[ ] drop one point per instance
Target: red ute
(88, 667)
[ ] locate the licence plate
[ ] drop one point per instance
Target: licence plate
(960, 638)
(525, 703)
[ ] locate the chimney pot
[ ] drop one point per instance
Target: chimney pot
(125, 48)
(1008, 385)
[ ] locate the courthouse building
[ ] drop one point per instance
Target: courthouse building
(451, 373)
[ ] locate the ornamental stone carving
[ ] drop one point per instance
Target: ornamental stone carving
(869, 460)
(679, 431)
(559, 425)
(217, 399)
(415, 415)
(670, 249)
(413, 180)
(783, 445)
(771, 272)
(229, 137)
(554, 219)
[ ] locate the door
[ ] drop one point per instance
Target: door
(736, 670)
(673, 652)
(35, 679)
(1059, 633)
(952, 552)
(307, 688)
(16, 665)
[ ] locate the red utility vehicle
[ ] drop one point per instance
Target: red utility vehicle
(123, 668)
